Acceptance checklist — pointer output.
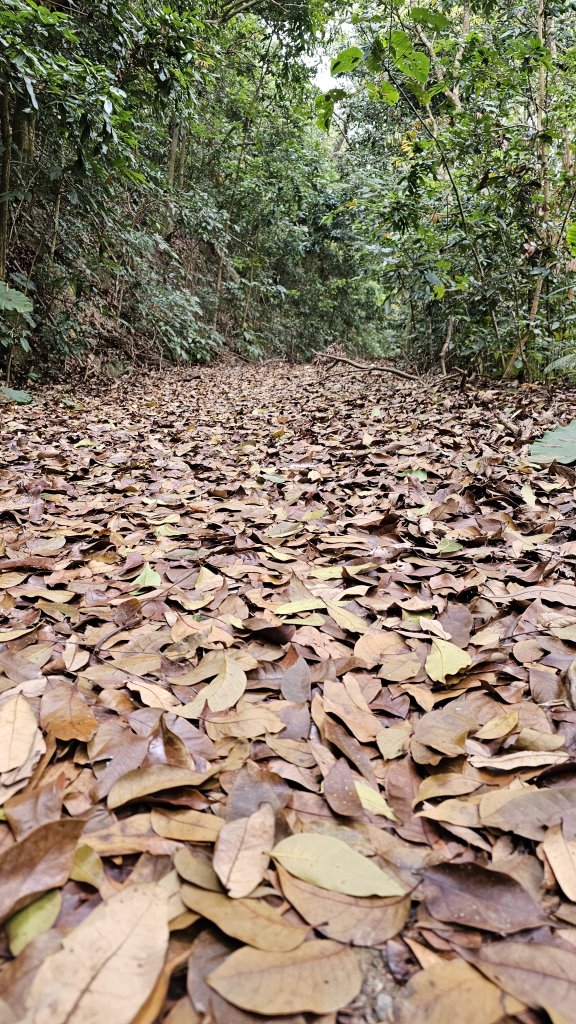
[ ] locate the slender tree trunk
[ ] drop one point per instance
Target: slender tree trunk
(5, 169)
(544, 29)
(172, 154)
(446, 345)
(57, 205)
(183, 155)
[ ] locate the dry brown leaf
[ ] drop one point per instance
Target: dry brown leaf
(19, 732)
(453, 987)
(242, 851)
(65, 714)
(370, 921)
(41, 861)
(542, 976)
(480, 898)
(108, 965)
(144, 781)
(189, 826)
(251, 921)
(319, 977)
(560, 852)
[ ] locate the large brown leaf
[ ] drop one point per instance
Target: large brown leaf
(108, 965)
(319, 977)
(539, 975)
(367, 921)
(243, 850)
(65, 713)
(473, 895)
(41, 861)
(453, 987)
(251, 921)
(19, 733)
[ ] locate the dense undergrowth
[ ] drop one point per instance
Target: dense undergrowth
(174, 183)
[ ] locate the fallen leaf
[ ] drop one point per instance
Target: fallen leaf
(19, 732)
(189, 826)
(542, 976)
(243, 850)
(249, 920)
(319, 977)
(41, 861)
(432, 996)
(65, 714)
(143, 781)
(445, 659)
(32, 920)
(368, 921)
(108, 965)
(332, 864)
(475, 896)
(560, 851)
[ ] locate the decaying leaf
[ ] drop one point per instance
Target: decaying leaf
(243, 850)
(433, 997)
(319, 977)
(107, 965)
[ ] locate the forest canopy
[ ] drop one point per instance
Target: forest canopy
(174, 181)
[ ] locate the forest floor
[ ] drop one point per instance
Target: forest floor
(287, 690)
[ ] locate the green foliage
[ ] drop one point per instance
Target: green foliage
(20, 397)
(170, 193)
(462, 146)
(557, 445)
(13, 301)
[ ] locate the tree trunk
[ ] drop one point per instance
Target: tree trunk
(183, 155)
(173, 153)
(5, 168)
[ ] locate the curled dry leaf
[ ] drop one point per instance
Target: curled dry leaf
(19, 733)
(158, 777)
(560, 848)
(319, 977)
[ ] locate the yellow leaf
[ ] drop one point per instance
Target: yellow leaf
(34, 919)
(445, 660)
(374, 802)
(332, 864)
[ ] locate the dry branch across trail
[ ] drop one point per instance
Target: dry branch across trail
(332, 360)
(287, 724)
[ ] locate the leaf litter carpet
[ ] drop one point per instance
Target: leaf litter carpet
(287, 690)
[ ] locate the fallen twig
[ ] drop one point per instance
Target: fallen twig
(372, 367)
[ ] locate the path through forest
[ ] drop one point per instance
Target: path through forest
(287, 690)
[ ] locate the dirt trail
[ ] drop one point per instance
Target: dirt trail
(323, 614)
